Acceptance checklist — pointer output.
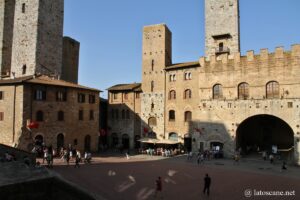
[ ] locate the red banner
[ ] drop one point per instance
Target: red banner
(33, 125)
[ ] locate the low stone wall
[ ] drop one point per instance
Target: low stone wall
(47, 189)
(18, 153)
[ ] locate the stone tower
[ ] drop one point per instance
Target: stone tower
(157, 53)
(37, 36)
(7, 10)
(70, 60)
(222, 31)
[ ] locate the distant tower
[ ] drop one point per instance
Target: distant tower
(157, 54)
(222, 31)
(70, 60)
(7, 10)
(37, 37)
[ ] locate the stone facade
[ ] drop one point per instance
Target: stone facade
(20, 106)
(70, 60)
(124, 120)
(223, 97)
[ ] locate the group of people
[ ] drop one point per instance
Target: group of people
(167, 152)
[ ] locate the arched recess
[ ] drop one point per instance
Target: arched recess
(265, 133)
(60, 141)
(125, 141)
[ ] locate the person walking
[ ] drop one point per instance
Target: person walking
(77, 160)
(207, 182)
(158, 191)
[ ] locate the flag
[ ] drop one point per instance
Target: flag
(33, 124)
(198, 130)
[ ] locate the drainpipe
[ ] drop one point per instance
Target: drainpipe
(14, 114)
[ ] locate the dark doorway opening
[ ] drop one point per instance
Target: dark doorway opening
(265, 133)
(125, 141)
(60, 141)
(87, 143)
(187, 143)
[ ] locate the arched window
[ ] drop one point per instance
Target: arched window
(272, 90)
(123, 114)
(243, 91)
(60, 116)
(187, 94)
(172, 94)
(217, 91)
(127, 114)
(172, 115)
(173, 136)
(152, 121)
(39, 116)
(152, 86)
(172, 77)
(187, 116)
(187, 75)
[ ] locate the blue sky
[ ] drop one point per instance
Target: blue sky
(110, 32)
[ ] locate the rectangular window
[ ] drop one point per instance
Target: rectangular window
(1, 95)
(290, 104)
(91, 115)
(23, 7)
(126, 96)
(80, 115)
(40, 94)
(1, 116)
(81, 98)
(115, 95)
(137, 95)
(92, 98)
(61, 96)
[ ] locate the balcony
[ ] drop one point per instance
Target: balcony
(222, 50)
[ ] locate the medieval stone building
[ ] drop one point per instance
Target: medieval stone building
(40, 100)
(226, 100)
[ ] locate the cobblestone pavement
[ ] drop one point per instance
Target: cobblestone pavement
(113, 176)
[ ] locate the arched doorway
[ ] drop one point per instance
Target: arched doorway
(265, 133)
(38, 140)
(187, 142)
(125, 141)
(137, 143)
(87, 143)
(60, 141)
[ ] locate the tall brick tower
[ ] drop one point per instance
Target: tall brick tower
(157, 53)
(222, 31)
(37, 36)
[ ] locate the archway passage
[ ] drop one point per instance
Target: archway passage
(265, 133)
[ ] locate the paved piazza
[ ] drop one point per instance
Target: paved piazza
(112, 176)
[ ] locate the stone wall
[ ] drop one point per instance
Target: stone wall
(37, 38)
(221, 18)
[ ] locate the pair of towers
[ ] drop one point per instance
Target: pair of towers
(31, 39)
(221, 38)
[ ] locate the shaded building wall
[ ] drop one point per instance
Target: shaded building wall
(7, 11)
(70, 60)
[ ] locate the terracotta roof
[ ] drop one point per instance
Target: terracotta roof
(121, 87)
(45, 80)
(183, 65)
